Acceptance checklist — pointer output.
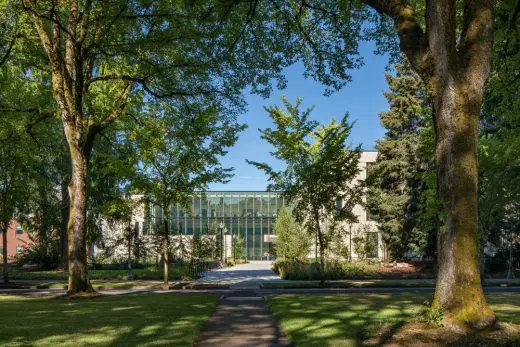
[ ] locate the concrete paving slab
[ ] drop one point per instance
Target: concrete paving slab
(240, 321)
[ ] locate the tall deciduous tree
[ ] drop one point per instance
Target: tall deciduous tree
(449, 44)
(179, 156)
(105, 57)
(453, 59)
(320, 169)
(398, 195)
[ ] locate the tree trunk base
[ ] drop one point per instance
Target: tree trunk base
(88, 290)
(468, 319)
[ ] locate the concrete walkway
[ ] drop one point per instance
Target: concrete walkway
(242, 317)
(249, 275)
(242, 321)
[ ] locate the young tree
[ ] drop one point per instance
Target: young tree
(178, 157)
(397, 185)
(292, 240)
(321, 167)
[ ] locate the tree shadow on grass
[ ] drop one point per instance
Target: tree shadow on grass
(164, 319)
(349, 319)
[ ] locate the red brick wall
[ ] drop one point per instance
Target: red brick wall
(14, 239)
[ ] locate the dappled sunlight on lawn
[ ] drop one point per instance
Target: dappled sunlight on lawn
(344, 319)
(118, 320)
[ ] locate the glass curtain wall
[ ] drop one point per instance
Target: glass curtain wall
(250, 214)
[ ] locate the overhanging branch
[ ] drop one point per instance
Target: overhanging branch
(412, 39)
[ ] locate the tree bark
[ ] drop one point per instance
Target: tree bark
(459, 289)
(76, 228)
(5, 229)
(454, 70)
(65, 207)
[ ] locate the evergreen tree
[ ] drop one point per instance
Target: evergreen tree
(400, 190)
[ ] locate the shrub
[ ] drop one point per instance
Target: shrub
(203, 247)
(333, 270)
(292, 241)
(45, 255)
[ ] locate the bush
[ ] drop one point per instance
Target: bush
(44, 255)
(334, 270)
(292, 241)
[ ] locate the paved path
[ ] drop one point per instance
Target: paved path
(248, 275)
(242, 317)
(242, 321)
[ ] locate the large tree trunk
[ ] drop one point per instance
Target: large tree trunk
(4, 230)
(459, 290)
(65, 207)
(454, 68)
(76, 228)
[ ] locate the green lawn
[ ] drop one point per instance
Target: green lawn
(341, 320)
(149, 273)
(159, 319)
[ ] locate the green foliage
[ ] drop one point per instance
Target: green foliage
(203, 247)
(433, 315)
(499, 147)
(333, 270)
(292, 240)
(402, 183)
(365, 246)
(42, 252)
(320, 167)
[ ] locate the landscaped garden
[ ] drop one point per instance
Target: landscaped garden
(104, 321)
(357, 319)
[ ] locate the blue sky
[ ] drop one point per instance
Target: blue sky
(362, 98)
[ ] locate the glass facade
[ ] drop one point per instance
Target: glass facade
(248, 214)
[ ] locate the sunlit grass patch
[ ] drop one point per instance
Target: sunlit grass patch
(344, 319)
(166, 319)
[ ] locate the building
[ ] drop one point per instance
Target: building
(17, 240)
(250, 214)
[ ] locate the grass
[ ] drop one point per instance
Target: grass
(343, 320)
(403, 283)
(160, 319)
(149, 273)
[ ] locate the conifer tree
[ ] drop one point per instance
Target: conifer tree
(400, 189)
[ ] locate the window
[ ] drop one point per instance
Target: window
(19, 250)
(19, 230)
(339, 204)
(1, 251)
